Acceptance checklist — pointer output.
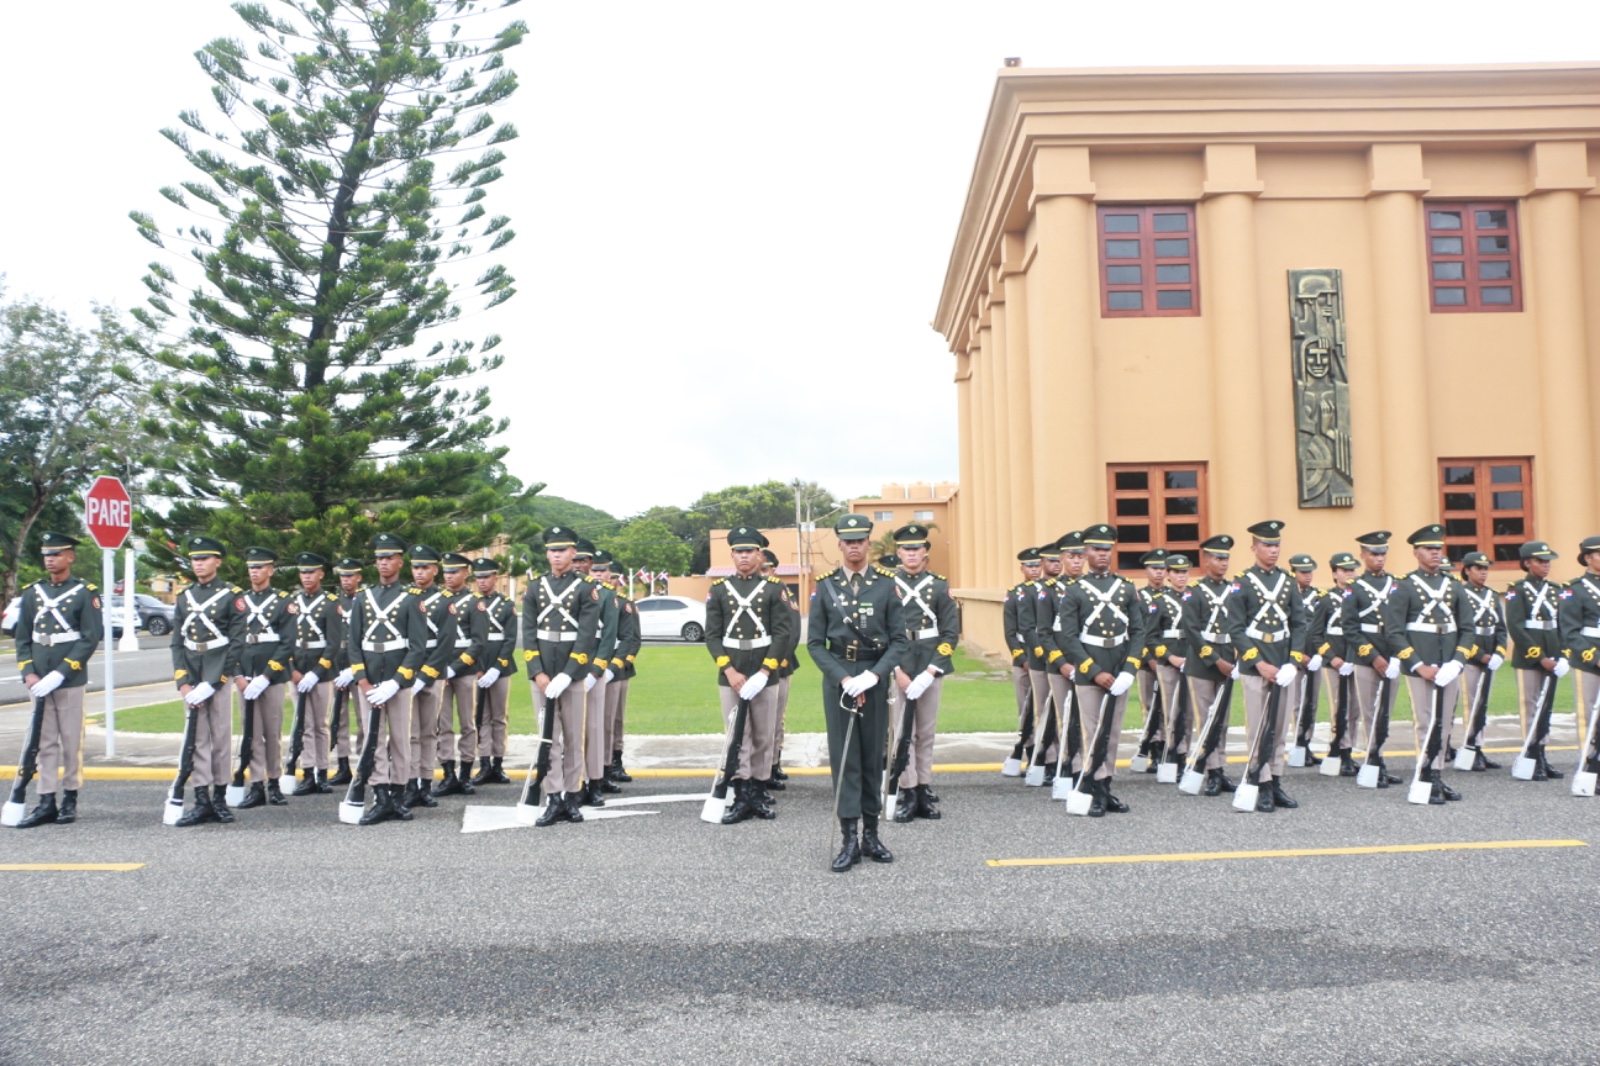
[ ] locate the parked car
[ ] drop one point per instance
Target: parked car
(155, 617)
(666, 617)
(8, 621)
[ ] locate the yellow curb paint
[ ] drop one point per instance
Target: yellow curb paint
(70, 867)
(1292, 853)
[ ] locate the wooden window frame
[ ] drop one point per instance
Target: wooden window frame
(1471, 284)
(1148, 262)
(1157, 518)
(1484, 512)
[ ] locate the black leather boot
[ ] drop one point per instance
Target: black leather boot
(201, 812)
(926, 801)
(741, 809)
(606, 785)
(401, 811)
(404, 796)
(1112, 804)
(324, 786)
(1347, 764)
(850, 853)
(1280, 798)
(425, 793)
(219, 804)
(1536, 753)
(772, 784)
(1157, 749)
(590, 795)
(765, 809)
(1436, 792)
(44, 813)
(1224, 782)
(255, 796)
(572, 801)
(382, 808)
(1264, 803)
(777, 772)
(1482, 762)
(497, 773)
(275, 794)
(905, 805)
(464, 778)
(448, 785)
(1097, 799)
(1450, 794)
(69, 807)
(1549, 771)
(1213, 786)
(555, 810)
(619, 773)
(871, 846)
(343, 777)
(1385, 778)
(307, 785)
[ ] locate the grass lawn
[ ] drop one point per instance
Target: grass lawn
(675, 693)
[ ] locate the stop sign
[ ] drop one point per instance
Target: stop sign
(108, 512)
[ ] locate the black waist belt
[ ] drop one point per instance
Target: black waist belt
(856, 653)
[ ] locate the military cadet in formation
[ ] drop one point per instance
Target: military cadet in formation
(788, 662)
(388, 645)
(856, 635)
(1104, 631)
(1532, 608)
(1038, 654)
(208, 628)
(1482, 617)
(493, 626)
(596, 755)
(1342, 565)
(623, 660)
(1580, 636)
(318, 638)
(932, 629)
(1064, 703)
(1303, 696)
(59, 627)
(560, 629)
(427, 688)
(348, 571)
(264, 659)
(1420, 625)
(458, 689)
(1154, 562)
(1361, 618)
(1166, 653)
(747, 620)
(1018, 613)
(1212, 658)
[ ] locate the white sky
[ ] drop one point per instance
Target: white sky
(739, 214)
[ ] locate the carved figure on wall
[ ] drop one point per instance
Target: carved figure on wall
(1321, 388)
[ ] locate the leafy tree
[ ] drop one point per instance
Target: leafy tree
(649, 543)
(768, 505)
(314, 394)
(555, 511)
(70, 407)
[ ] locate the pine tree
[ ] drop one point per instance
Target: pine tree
(314, 399)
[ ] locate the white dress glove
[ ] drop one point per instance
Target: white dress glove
(1394, 669)
(1314, 664)
(1561, 667)
(47, 684)
(489, 677)
(256, 687)
(200, 693)
(1447, 673)
(855, 686)
(383, 693)
(556, 686)
(1122, 684)
(588, 681)
(418, 685)
(449, 673)
(345, 679)
(753, 685)
(308, 681)
(1347, 669)
(919, 684)
(1496, 661)
(610, 675)
(1286, 675)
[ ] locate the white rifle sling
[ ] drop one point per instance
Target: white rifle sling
(306, 617)
(379, 618)
(256, 615)
(743, 606)
(197, 613)
(1104, 601)
(554, 603)
(1212, 632)
(1372, 609)
(1432, 604)
(913, 594)
(1271, 611)
(52, 606)
(497, 627)
(1538, 603)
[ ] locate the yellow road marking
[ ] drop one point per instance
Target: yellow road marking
(108, 867)
(1292, 853)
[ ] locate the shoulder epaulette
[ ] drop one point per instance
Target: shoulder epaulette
(885, 571)
(415, 590)
(941, 577)
(282, 595)
(717, 581)
(333, 597)
(89, 586)
(237, 589)
(829, 574)
(775, 580)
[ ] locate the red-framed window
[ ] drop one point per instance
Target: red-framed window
(1473, 260)
(1149, 261)
(1487, 506)
(1156, 505)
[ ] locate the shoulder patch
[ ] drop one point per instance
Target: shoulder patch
(292, 608)
(90, 586)
(282, 595)
(237, 589)
(415, 590)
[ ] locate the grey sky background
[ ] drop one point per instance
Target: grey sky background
(733, 219)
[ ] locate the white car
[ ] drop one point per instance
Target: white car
(8, 621)
(668, 617)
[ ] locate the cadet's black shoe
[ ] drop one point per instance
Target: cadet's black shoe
(1280, 798)
(1481, 762)
(1049, 773)
(382, 808)
(343, 777)
(275, 795)
(485, 772)
(1113, 805)
(555, 810)
(450, 785)
(404, 796)
(425, 792)
(464, 781)
(772, 784)
(764, 809)
(1549, 771)
(69, 807)
(307, 785)
(618, 773)
(905, 805)
(777, 772)
(1158, 750)
(850, 853)
(324, 787)
(44, 812)
(607, 785)
(1097, 801)
(202, 811)
(871, 846)
(255, 797)
(1264, 803)
(589, 795)
(925, 803)
(219, 804)
(573, 801)
(1347, 764)
(1213, 786)
(741, 809)
(1224, 782)
(497, 773)
(1538, 770)
(1436, 793)
(1445, 790)
(1450, 753)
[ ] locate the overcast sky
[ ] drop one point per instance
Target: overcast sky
(737, 215)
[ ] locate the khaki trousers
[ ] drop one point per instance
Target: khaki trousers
(566, 744)
(1059, 689)
(1470, 683)
(424, 726)
(919, 767)
(339, 733)
(617, 709)
(1271, 749)
(1529, 683)
(492, 737)
(1039, 686)
(1586, 690)
(1168, 677)
(213, 739)
(1093, 701)
(1363, 714)
(595, 753)
(1022, 688)
(1202, 691)
(61, 740)
(783, 715)
(266, 735)
(314, 729)
(458, 702)
(391, 763)
(1295, 699)
(1422, 691)
(755, 753)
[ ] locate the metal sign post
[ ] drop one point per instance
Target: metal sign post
(108, 514)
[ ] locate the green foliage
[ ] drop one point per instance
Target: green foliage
(768, 505)
(314, 399)
(555, 511)
(650, 544)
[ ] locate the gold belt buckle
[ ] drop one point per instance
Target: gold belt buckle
(850, 652)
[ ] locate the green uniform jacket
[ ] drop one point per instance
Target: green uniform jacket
(492, 624)
(267, 647)
(933, 624)
(318, 633)
(1361, 618)
(439, 629)
(48, 617)
(1479, 615)
(872, 624)
(1319, 608)
(1166, 639)
(766, 622)
(1533, 620)
(1267, 618)
(1419, 621)
(347, 604)
(1020, 628)
(388, 634)
(1205, 628)
(789, 657)
(463, 657)
(1580, 623)
(560, 624)
(1047, 619)
(1104, 626)
(629, 639)
(1333, 638)
(606, 646)
(207, 633)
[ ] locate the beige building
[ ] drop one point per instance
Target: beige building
(1137, 339)
(932, 505)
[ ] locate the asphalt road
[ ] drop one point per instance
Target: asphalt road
(150, 665)
(291, 938)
